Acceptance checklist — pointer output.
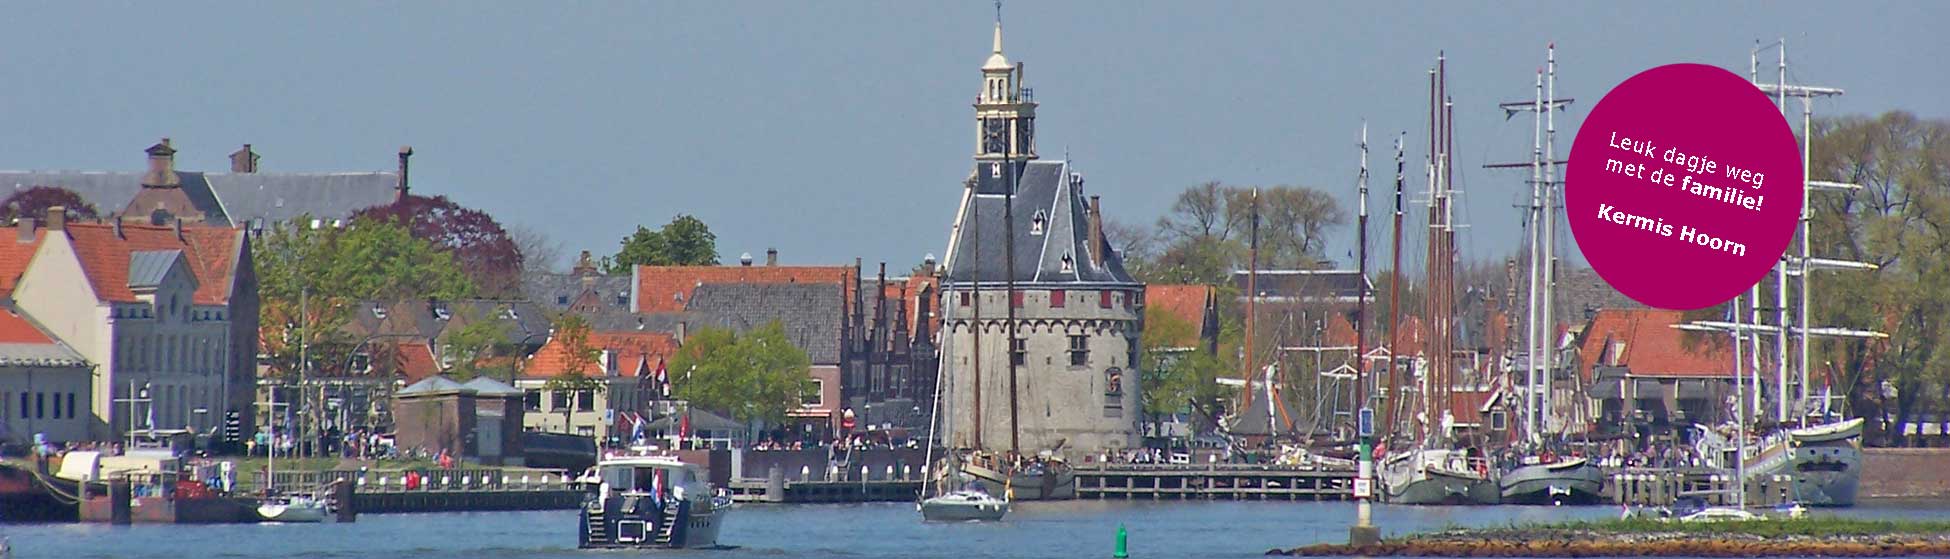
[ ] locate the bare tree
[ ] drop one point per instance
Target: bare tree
(539, 252)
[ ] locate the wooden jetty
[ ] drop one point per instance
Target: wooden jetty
(1232, 482)
(1663, 486)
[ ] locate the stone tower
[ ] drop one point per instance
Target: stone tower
(1076, 309)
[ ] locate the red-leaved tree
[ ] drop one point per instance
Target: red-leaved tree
(35, 201)
(478, 243)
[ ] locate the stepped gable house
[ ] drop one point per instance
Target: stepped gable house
(1077, 310)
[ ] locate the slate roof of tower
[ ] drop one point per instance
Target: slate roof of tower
(979, 251)
(147, 268)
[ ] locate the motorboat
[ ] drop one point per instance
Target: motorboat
(650, 502)
(969, 504)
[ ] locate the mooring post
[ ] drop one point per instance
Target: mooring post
(348, 511)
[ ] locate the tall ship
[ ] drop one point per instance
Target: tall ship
(1431, 470)
(1040, 316)
(650, 502)
(1543, 477)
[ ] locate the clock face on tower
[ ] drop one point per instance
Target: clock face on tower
(995, 139)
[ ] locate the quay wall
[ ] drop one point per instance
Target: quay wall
(907, 463)
(1908, 473)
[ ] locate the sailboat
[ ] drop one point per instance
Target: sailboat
(1431, 472)
(970, 503)
(1544, 478)
(284, 508)
(1823, 460)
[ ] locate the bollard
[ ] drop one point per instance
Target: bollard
(863, 473)
(805, 473)
(524, 481)
(890, 471)
(775, 485)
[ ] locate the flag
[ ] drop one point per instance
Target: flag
(663, 379)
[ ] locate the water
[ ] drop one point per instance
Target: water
(883, 530)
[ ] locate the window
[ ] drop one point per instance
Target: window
(585, 400)
(815, 397)
(1068, 265)
(1499, 420)
(532, 399)
(1056, 297)
(40, 405)
(1019, 351)
(622, 299)
(1036, 223)
(558, 400)
(586, 430)
(1079, 350)
(23, 405)
(562, 300)
(1103, 299)
(964, 298)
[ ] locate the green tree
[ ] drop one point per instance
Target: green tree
(685, 241)
(571, 334)
(475, 349)
(1208, 232)
(325, 272)
(755, 375)
(1900, 221)
(1174, 374)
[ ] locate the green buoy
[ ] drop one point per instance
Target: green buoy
(1122, 535)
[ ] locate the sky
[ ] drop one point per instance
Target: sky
(836, 130)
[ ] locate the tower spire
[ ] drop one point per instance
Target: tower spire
(998, 26)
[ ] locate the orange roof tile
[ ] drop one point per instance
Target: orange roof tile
(1339, 331)
(415, 361)
(668, 288)
(1187, 302)
(1652, 347)
(211, 252)
(16, 329)
(14, 256)
(629, 348)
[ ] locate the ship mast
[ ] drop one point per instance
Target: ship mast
(1540, 327)
(1252, 298)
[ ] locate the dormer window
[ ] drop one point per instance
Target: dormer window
(562, 300)
(1069, 265)
(510, 314)
(379, 311)
(442, 313)
(1036, 223)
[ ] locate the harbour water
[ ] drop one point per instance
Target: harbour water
(1065, 530)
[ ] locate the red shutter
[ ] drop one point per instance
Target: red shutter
(1103, 299)
(1015, 299)
(1056, 297)
(964, 298)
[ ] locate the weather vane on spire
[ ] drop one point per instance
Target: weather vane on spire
(998, 12)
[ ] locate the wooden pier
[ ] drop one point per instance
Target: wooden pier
(1231, 482)
(1661, 487)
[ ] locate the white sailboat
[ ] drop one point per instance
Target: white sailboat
(284, 508)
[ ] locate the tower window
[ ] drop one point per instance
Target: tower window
(1019, 351)
(1056, 297)
(1079, 350)
(1069, 265)
(964, 298)
(1036, 223)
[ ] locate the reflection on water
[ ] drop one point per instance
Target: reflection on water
(882, 530)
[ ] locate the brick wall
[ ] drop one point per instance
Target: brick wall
(1906, 472)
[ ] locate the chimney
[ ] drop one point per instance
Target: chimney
(162, 167)
(771, 257)
(1096, 232)
(177, 224)
(682, 328)
(117, 222)
(745, 260)
(57, 218)
(405, 152)
(244, 160)
(25, 226)
(584, 265)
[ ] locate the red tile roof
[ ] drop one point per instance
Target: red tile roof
(668, 288)
(629, 348)
(415, 361)
(1187, 302)
(1340, 332)
(16, 329)
(14, 256)
(1651, 346)
(211, 252)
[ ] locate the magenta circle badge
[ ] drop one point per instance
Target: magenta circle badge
(1684, 186)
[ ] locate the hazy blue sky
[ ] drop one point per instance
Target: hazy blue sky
(839, 129)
